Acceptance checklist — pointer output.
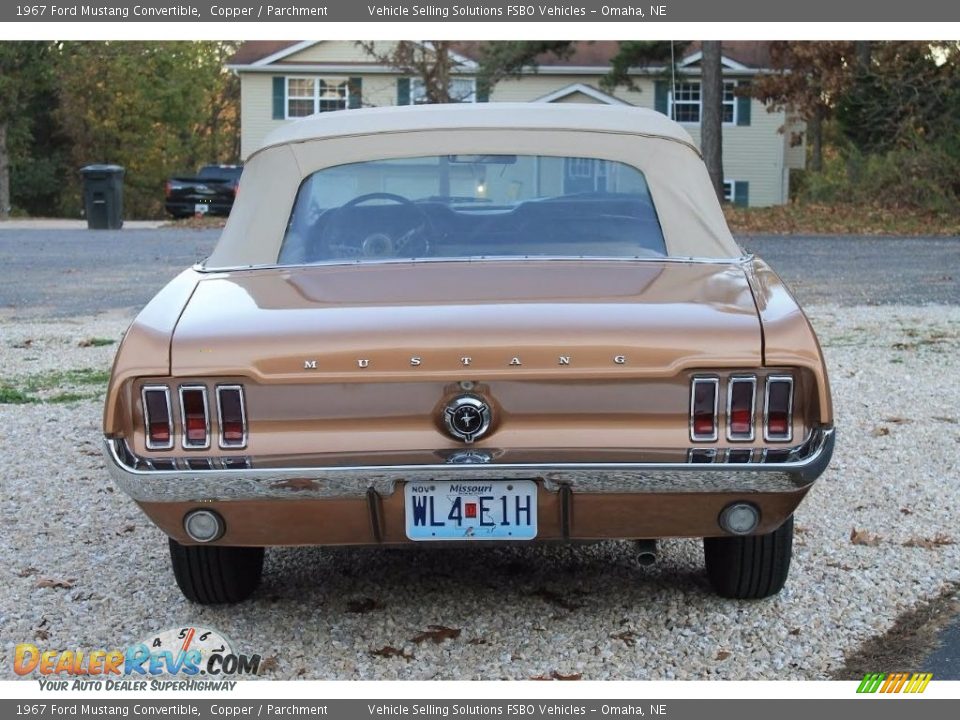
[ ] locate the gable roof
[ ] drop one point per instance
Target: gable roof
(739, 54)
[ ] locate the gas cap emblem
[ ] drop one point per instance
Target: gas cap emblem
(467, 418)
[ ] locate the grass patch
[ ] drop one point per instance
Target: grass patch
(60, 378)
(13, 396)
(69, 397)
(96, 342)
(60, 386)
(840, 219)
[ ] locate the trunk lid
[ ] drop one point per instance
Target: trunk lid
(469, 320)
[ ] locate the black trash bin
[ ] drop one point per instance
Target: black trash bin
(103, 196)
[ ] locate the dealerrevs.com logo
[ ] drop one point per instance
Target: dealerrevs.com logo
(189, 658)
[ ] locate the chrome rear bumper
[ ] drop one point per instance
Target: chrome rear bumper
(803, 464)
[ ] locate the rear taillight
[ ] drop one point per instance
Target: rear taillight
(740, 407)
(157, 418)
(167, 189)
(232, 416)
(195, 416)
(778, 409)
(703, 409)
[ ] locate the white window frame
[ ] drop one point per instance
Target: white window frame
(418, 90)
(316, 80)
(731, 194)
(727, 84)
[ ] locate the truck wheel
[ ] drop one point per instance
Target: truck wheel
(209, 574)
(752, 566)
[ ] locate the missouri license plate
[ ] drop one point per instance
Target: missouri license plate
(471, 510)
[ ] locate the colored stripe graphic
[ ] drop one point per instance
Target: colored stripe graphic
(871, 682)
(894, 683)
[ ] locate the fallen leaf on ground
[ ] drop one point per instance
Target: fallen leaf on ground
(388, 651)
(723, 655)
(27, 572)
(364, 605)
(126, 529)
(906, 511)
(560, 676)
(795, 631)
(897, 420)
(477, 641)
(55, 583)
(862, 537)
(437, 633)
(938, 540)
(880, 431)
(627, 636)
(269, 665)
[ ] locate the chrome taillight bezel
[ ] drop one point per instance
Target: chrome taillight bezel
(714, 382)
(222, 441)
(185, 441)
(750, 380)
(767, 435)
(150, 444)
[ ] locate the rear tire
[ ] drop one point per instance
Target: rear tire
(750, 567)
(210, 574)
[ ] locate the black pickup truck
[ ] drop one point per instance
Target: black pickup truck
(211, 192)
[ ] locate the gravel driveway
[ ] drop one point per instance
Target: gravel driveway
(81, 567)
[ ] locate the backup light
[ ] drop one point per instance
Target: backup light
(740, 518)
(203, 525)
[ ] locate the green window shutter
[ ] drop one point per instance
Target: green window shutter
(355, 98)
(279, 98)
(483, 93)
(403, 91)
(743, 105)
(741, 193)
(660, 96)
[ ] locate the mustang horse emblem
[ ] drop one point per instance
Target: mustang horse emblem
(467, 418)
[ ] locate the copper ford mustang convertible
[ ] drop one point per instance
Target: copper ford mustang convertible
(461, 324)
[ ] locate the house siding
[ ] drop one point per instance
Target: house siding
(759, 154)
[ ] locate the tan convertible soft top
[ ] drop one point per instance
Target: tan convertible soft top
(690, 215)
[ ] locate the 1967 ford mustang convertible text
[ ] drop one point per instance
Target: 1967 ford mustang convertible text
(472, 323)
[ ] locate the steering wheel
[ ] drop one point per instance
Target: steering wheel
(414, 242)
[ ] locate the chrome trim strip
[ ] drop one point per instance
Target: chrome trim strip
(766, 410)
(702, 380)
(752, 380)
(224, 445)
(741, 260)
(184, 441)
(803, 465)
(146, 416)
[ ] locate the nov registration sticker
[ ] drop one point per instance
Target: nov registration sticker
(471, 510)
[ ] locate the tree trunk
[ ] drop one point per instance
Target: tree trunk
(815, 133)
(4, 174)
(863, 51)
(711, 113)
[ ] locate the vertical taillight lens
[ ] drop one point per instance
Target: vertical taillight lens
(156, 417)
(741, 392)
(232, 416)
(703, 409)
(778, 408)
(195, 416)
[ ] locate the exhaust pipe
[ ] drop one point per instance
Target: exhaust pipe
(646, 552)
